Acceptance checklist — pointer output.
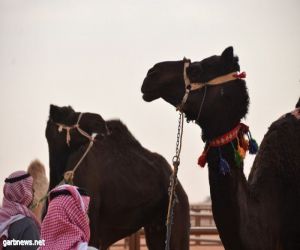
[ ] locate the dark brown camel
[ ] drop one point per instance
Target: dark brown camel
(262, 213)
(127, 183)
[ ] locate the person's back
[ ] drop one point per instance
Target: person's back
(66, 224)
(19, 227)
(26, 230)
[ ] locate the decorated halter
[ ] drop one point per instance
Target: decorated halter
(189, 86)
(245, 142)
(238, 132)
(69, 175)
(81, 131)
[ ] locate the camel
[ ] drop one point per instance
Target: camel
(127, 183)
(263, 212)
(40, 186)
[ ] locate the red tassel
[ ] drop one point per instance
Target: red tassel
(202, 160)
(240, 75)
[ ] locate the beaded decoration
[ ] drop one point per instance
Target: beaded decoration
(245, 143)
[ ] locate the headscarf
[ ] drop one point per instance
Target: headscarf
(18, 195)
(66, 224)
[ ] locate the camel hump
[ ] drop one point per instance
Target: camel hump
(121, 134)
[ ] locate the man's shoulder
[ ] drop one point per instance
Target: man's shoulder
(21, 225)
(24, 222)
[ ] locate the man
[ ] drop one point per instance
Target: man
(66, 224)
(17, 221)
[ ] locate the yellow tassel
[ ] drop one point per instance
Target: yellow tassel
(244, 143)
(241, 152)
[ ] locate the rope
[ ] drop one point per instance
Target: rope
(69, 175)
(173, 181)
(201, 105)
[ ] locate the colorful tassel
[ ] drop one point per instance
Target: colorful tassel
(241, 152)
(253, 146)
(239, 133)
(223, 165)
(238, 158)
(203, 157)
(202, 160)
(240, 75)
(244, 143)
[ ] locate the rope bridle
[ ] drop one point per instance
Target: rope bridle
(69, 175)
(68, 128)
(189, 86)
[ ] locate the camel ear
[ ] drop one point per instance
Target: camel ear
(54, 110)
(298, 103)
(58, 114)
(227, 54)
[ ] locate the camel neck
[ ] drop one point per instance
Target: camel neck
(238, 207)
(225, 193)
(227, 182)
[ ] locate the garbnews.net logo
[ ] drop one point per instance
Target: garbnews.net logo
(14, 242)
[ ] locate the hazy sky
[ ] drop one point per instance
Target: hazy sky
(94, 55)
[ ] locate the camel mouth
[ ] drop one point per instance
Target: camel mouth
(149, 91)
(150, 96)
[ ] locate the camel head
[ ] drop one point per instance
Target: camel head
(215, 107)
(63, 118)
(64, 137)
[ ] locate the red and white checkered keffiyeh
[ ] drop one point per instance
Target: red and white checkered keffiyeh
(18, 195)
(66, 225)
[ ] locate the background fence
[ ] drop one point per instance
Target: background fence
(203, 231)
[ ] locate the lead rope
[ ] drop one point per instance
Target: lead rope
(201, 105)
(69, 175)
(173, 181)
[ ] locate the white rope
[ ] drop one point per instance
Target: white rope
(69, 175)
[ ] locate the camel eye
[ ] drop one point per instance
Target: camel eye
(196, 69)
